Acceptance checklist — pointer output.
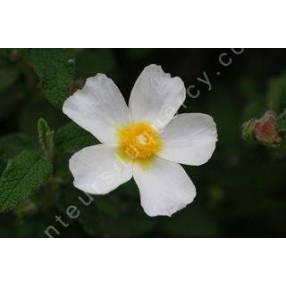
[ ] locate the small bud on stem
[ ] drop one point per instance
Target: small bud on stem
(264, 130)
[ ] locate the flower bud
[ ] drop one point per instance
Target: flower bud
(265, 130)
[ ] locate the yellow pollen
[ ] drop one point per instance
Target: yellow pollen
(138, 142)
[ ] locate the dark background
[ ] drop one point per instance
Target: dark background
(240, 191)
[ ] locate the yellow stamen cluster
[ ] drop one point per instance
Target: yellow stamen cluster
(138, 142)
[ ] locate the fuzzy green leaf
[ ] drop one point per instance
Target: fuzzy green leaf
(23, 176)
(46, 138)
(71, 138)
(55, 68)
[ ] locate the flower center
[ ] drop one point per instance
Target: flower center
(138, 142)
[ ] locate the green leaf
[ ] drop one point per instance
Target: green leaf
(55, 68)
(13, 144)
(23, 176)
(72, 138)
(46, 138)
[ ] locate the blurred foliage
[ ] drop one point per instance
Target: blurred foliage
(241, 190)
(277, 93)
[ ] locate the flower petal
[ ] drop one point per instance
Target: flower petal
(99, 108)
(156, 96)
(189, 139)
(98, 170)
(164, 188)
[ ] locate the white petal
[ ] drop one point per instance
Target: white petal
(189, 139)
(164, 188)
(99, 108)
(156, 96)
(98, 170)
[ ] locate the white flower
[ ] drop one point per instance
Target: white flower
(145, 140)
